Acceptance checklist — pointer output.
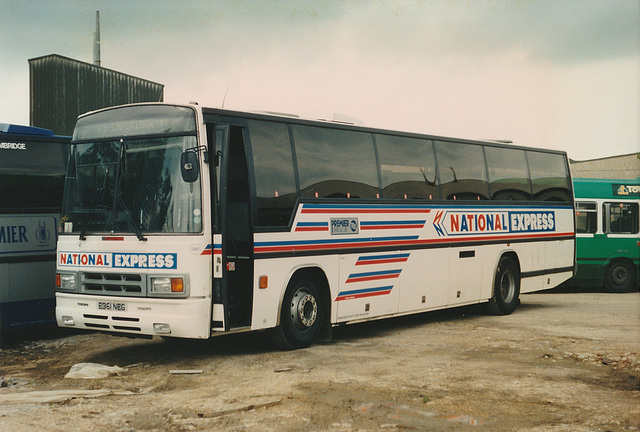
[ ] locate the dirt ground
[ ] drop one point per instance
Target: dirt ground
(564, 361)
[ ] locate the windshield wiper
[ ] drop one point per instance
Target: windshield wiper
(117, 196)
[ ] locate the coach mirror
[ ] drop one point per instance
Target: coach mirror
(189, 166)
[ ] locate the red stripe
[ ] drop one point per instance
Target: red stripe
(208, 252)
(356, 296)
(312, 229)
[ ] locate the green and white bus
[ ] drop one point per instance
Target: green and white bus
(607, 231)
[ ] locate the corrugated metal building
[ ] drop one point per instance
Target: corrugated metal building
(63, 88)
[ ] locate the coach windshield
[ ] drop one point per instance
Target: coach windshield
(125, 176)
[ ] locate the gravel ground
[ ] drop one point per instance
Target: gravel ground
(566, 360)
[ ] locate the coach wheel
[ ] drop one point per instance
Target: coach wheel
(506, 288)
(301, 315)
(620, 277)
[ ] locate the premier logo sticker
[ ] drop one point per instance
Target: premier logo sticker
(344, 226)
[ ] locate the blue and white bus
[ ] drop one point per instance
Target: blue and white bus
(32, 168)
(184, 221)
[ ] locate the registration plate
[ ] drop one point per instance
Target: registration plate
(111, 306)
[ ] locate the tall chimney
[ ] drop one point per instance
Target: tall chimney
(96, 41)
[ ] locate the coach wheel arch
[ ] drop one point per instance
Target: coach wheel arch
(620, 276)
(506, 286)
(305, 310)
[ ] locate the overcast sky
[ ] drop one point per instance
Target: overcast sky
(560, 74)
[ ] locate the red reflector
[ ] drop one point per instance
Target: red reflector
(112, 238)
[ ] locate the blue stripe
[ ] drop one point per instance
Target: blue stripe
(411, 222)
(379, 257)
(451, 206)
(376, 273)
(312, 224)
(365, 206)
(366, 290)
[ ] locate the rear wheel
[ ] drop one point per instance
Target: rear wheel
(301, 315)
(506, 288)
(620, 277)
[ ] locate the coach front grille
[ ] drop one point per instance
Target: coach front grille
(120, 284)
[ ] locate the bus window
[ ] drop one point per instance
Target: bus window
(273, 167)
(586, 218)
(621, 218)
(334, 163)
(462, 171)
(408, 168)
(549, 176)
(508, 174)
(33, 178)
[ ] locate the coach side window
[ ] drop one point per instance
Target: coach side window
(408, 168)
(334, 163)
(508, 174)
(462, 171)
(273, 167)
(549, 176)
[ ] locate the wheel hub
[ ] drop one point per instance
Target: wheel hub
(507, 287)
(304, 309)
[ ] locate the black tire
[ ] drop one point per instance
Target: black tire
(620, 277)
(301, 315)
(506, 288)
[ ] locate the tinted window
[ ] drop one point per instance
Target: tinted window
(508, 174)
(586, 218)
(462, 171)
(274, 175)
(335, 163)
(30, 193)
(31, 175)
(549, 176)
(623, 218)
(407, 167)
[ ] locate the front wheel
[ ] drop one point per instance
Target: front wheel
(506, 288)
(620, 277)
(301, 315)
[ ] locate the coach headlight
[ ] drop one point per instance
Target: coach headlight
(161, 286)
(66, 281)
